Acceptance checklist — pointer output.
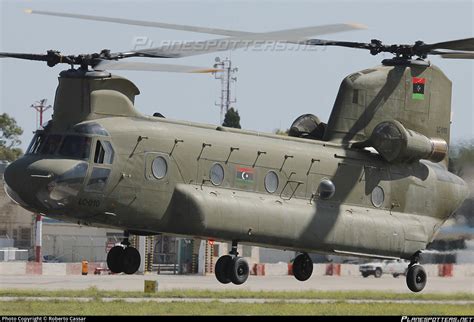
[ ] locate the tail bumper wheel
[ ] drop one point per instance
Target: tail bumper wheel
(130, 260)
(238, 270)
(222, 268)
(302, 267)
(114, 259)
(416, 278)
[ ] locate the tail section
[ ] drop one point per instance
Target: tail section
(416, 95)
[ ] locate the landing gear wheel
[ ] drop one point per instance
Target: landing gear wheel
(114, 259)
(378, 273)
(130, 260)
(238, 270)
(222, 268)
(302, 267)
(416, 278)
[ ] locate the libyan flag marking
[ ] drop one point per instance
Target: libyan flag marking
(418, 88)
(244, 175)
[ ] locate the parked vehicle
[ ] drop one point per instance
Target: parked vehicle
(395, 267)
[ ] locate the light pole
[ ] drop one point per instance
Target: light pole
(40, 108)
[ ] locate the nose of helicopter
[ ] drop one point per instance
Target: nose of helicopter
(41, 184)
(14, 180)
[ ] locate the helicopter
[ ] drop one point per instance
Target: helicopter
(371, 182)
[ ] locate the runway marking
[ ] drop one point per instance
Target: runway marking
(233, 300)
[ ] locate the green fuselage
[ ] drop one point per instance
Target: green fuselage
(416, 198)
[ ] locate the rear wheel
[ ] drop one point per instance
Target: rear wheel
(378, 272)
(416, 278)
(302, 267)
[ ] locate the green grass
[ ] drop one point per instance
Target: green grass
(216, 308)
(336, 295)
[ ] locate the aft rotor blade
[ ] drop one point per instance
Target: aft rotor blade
(178, 49)
(139, 66)
(153, 24)
(459, 44)
(453, 54)
(322, 42)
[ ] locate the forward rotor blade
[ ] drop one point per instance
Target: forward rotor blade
(139, 66)
(459, 44)
(214, 31)
(25, 56)
(178, 49)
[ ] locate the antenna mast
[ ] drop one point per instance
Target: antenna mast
(227, 78)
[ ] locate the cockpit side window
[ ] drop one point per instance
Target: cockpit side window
(35, 143)
(104, 153)
(76, 147)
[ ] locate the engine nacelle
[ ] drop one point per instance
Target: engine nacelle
(397, 144)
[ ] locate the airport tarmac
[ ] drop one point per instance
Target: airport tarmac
(254, 283)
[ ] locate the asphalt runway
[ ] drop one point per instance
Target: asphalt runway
(255, 283)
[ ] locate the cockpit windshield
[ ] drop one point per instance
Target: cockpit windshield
(76, 147)
(69, 146)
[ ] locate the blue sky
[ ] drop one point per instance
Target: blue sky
(273, 88)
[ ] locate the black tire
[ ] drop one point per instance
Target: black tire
(378, 272)
(302, 267)
(416, 278)
(131, 260)
(114, 259)
(222, 268)
(238, 271)
(395, 275)
(365, 275)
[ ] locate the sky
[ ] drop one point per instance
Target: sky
(273, 87)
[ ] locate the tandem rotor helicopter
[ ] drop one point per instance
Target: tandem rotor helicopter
(372, 182)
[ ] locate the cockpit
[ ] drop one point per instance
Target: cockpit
(64, 146)
(58, 166)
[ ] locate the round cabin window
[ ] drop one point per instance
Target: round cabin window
(159, 168)
(326, 189)
(378, 196)
(271, 182)
(216, 174)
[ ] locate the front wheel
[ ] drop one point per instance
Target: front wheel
(416, 278)
(114, 259)
(131, 260)
(222, 268)
(238, 270)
